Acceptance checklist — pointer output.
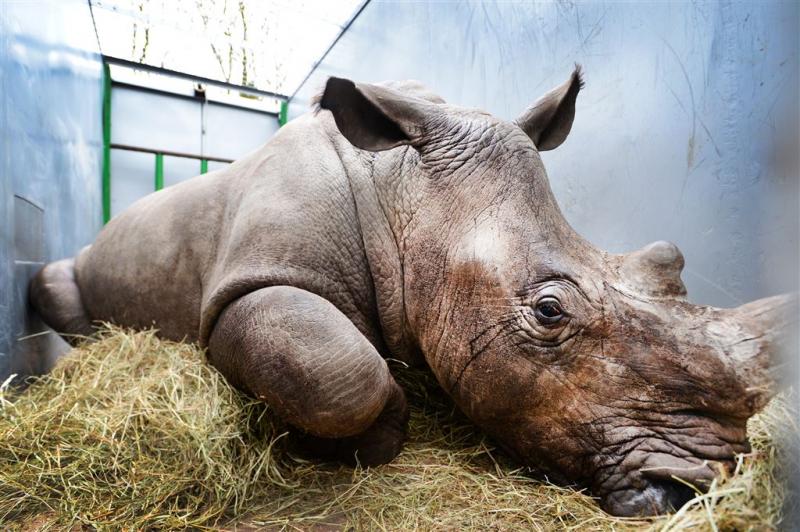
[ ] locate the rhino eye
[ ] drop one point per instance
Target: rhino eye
(548, 311)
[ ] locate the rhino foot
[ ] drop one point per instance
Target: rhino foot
(377, 445)
(298, 353)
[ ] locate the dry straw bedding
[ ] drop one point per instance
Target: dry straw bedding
(133, 432)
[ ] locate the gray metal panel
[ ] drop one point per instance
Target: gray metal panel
(177, 169)
(50, 136)
(214, 165)
(231, 133)
(28, 231)
(132, 178)
(29, 256)
(686, 130)
(155, 121)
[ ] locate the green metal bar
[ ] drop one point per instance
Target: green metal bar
(159, 171)
(282, 116)
(203, 166)
(106, 190)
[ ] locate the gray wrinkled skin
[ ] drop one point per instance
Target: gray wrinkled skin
(389, 223)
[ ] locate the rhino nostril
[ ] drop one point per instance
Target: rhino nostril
(674, 493)
(659, 496)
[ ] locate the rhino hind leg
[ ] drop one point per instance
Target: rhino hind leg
(55, 295)
(303, 357)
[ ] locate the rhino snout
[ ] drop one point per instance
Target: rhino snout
(761, 341)
(656, 473)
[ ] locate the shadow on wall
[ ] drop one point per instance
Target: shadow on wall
(51, 138)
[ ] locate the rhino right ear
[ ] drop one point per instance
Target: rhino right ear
(372, 117)
(548, 121)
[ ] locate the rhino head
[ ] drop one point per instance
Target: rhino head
(589, 366)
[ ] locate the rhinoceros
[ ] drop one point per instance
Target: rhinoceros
(388, 223)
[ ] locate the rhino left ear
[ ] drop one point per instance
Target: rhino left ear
(373, 117)
(548, 121)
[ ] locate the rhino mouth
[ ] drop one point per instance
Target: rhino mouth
(659, 489)
(656, 474)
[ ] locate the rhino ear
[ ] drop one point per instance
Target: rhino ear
(372, 117)
(548, 121)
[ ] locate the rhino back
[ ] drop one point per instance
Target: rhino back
(283, 215)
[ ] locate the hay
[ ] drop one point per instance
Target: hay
(134, 432)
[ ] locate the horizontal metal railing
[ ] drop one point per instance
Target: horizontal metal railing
(116, 146)
(158, 182)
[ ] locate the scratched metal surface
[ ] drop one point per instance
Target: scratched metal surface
(686, 130)
(50, 137)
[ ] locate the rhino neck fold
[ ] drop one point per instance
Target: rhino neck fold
(379, 184)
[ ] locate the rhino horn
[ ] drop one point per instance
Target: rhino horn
(655, 270)
(549, 120)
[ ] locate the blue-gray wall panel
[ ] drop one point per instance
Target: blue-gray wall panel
(233, 133)
(686, 130)
(177, 169)
(50, 132)
(156, 121)
(132, 178)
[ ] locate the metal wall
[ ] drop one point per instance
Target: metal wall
(50, 137)
(50, 167)
(686, 130)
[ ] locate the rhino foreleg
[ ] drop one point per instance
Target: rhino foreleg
(300, 354)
